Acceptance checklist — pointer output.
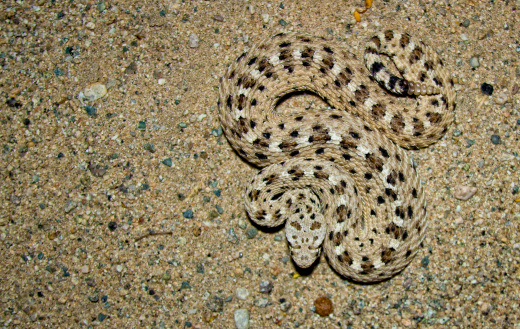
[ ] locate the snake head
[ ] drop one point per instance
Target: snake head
(305, 233)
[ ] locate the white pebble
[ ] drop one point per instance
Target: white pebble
(94, 91)
(161, 81)
(241, 318)
(242, 293)
(119, 268)
(193, 40)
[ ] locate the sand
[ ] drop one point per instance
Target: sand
(121, 200)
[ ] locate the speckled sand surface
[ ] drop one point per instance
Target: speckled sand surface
(87, 184)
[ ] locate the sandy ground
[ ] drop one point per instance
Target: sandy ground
(126, 211)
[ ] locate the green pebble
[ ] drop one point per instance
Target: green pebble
(167, 162)
(251, 232)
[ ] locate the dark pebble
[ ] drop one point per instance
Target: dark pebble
(167, 162)
(185, 285)
(518, 122)
(495, 139)
(91, 111)
(486, 89)
(112, 226)
(12, 102)
(216, 192)
(94, 298)
(188, 213)
(425, 261)
(219, 209)
(102, 317)
(251, 233)
(282, 22)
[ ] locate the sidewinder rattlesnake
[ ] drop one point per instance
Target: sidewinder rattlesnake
(338, 177)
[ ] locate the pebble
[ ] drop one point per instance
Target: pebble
(218, 18)
(251, 232)
(193, 40)
(486, 89)
(167, 162)
(465, 23)
(514, 89)
(69, 205)
(266, 287)
(91, 110)
(85, 269)
(94, 92)
(473, 62)
(285, 306)
(502, 98)
(188, 213)
(216, 304)
(464, 192)
(242, 293)
(241, 318)
(323, 306)
(262, 302)
(495, 139)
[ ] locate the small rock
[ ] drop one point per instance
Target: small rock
(193, 40)
(465, 23)
(407, 283)
(473, 62)
(69, 206)
(261, 302)
(167, 162)
(131, 68)
(94, 92)
(495, 139)
(285, 306)
(251, 232)
(486, 89)
(242, 293)
(485, 308)
(112, 226)
(425, 261)
(218, 18)
(323, 306)
(514, 89)
(97, 170)
(188, 213)
(464, 192)
(241, 318)
(91, 110)
(266, 287)
(85, 269)
(216, 304)
(502, 98)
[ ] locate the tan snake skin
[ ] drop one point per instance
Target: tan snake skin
(338, 178)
